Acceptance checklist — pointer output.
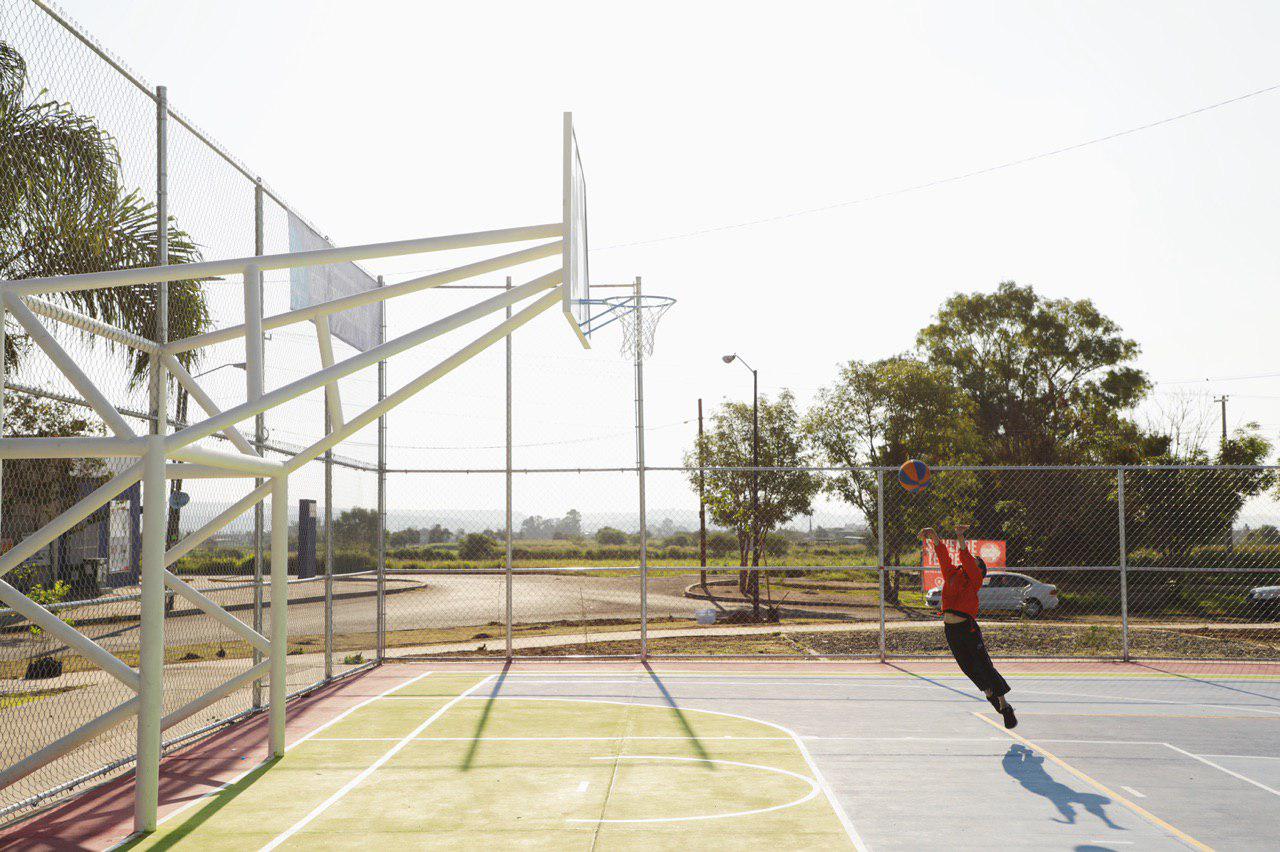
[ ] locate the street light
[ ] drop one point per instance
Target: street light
(755, 460)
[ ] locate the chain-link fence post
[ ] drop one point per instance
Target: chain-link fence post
(644, 524)
(253, 322)
(154, 505)
(381, 617)
(881, 574)
(1124, 570)
(509, 615)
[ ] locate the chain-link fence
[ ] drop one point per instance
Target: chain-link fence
(1098, 563)
(97, 173)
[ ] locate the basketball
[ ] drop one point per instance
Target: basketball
(914, 475)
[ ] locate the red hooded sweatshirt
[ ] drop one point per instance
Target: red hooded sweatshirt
(959, 585)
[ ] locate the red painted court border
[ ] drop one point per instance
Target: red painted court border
(102, 816)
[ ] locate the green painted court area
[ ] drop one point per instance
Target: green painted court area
(447, 760)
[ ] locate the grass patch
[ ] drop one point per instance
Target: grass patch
(17, 699)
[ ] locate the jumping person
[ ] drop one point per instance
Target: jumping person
(960, 587)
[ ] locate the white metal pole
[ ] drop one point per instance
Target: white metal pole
(884, 575)
(509, 614)
(381, 617)
(328, 547)
(154, 522)
(151, 638)
(279, 610)
(644, 524)
(1124, 570)
(259, 420)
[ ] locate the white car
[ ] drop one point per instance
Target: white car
(1006, 590)
(1265, 600)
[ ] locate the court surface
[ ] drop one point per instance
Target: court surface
(622, 756)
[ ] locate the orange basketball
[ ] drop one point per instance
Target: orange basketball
(914, 475)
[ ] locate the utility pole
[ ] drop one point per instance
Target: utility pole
(1223, 401)
(702, 503)
(1222, 451)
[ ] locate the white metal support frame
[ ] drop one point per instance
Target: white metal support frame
(153, 455)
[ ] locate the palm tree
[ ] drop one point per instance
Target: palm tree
(64, 210)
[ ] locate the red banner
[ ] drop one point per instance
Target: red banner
(992, 552)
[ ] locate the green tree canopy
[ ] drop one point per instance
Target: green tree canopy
(64, 210)
(1047, 377)
(880, 414)
(782, 494)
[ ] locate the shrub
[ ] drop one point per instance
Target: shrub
(722, 543)
(775, 546)
(476, 547)
(610, 535)
(352, 562)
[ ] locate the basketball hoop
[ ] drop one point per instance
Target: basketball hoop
(637, 316)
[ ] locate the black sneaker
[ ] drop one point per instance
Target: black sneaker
(1010, 720)
(994, 701)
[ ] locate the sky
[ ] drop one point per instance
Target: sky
(388, 120)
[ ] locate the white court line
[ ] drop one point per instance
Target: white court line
(533, 739)
(1246, 756)
(813, 789)
(1221, 768)
(1068, 676)
(1126, 699)
(369, 770)
(819, 778)
(1133, 791)
(238, 778)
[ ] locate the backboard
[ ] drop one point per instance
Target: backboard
(577, 276)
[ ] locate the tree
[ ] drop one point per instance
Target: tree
(570, 527)
(438, 535)
(1046, 376)
(611, 536)
(38, 490)
(356, 529)
(880, 414)
(783, 494)
(405, 537)
(64, 210)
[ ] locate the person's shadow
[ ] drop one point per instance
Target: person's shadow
(1027, 768)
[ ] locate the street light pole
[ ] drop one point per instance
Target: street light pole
(755, 469)
(756, 543)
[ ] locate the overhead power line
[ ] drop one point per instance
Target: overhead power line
(749, 223)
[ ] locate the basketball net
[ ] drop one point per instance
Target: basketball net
(643, 322)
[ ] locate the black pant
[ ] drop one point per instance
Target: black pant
(965, 641)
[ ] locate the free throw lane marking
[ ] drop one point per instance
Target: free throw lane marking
(841, 814)
(1100, 787)
(1208, 762)
(1133, 791)
(372, 768)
